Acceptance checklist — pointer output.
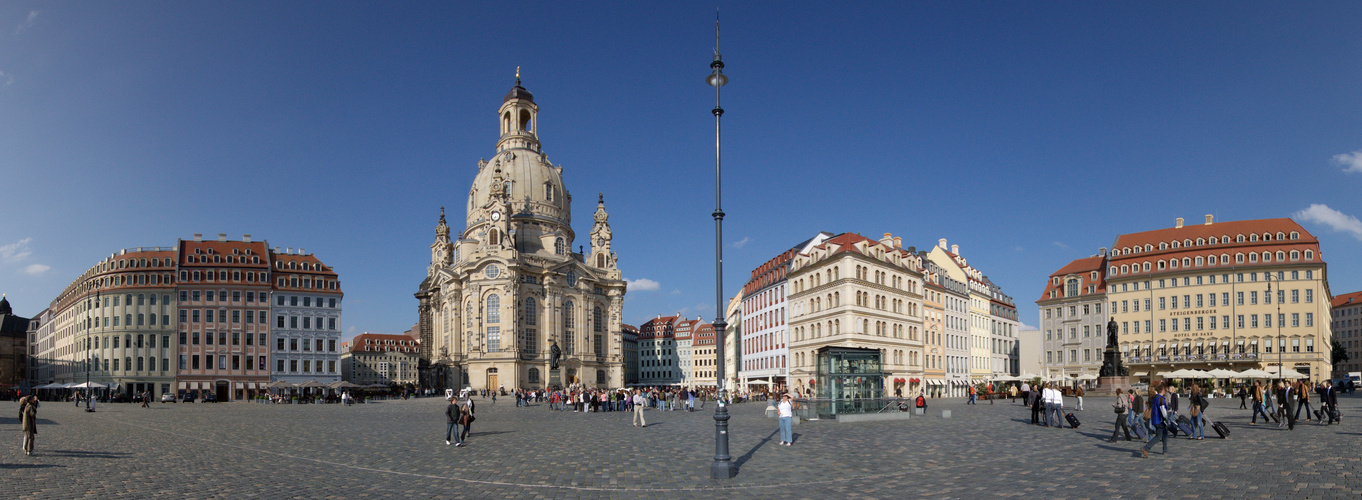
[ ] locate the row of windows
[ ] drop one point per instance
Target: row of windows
(1212, 348)
(220, 316)
(307, 323)
(1073, 311)
(1210, 260)
(306, 346)
(1204, 323)
(307, 282)
(200, 275)
(112, 342)
(1209, 300)
(307, 366)
(216, 295)
(1187, 242)
(192, 338)
(191, 362)
(143, 364)
(1211, 278)
(127, 320)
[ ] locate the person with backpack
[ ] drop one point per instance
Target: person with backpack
(1122, 409)
(1158, 415)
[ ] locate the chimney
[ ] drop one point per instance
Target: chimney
(912, 250)
(198, 236)
(1179, 226)
(302, 252)
(246, 238)
(898, 242)
(941, 243)
(222, 236)
(1208, 219)
(887, 240)
(1102, 252)
(955, 249)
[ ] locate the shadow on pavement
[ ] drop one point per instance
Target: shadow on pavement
(29, 466)
(747, 456)
(86, 454)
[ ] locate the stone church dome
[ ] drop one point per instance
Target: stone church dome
(519, 179)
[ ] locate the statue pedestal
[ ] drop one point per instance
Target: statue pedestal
(555, 378)
(1107, 386)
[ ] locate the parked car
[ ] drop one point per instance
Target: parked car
(168, 398)
(189, 397)
(210, 398)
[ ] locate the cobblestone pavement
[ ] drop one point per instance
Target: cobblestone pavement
(393, 449)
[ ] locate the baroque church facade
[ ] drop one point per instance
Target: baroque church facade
(500, 294)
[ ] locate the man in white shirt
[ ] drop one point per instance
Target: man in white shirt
(1058, 396)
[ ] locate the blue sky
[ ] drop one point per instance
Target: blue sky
(1029, 133)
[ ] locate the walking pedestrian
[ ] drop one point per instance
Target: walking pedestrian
(1330, 402)
(971, 395)
(1158, 414)
(1036, 406)
(1137, 411)
(1243, 396)
(640, 403)
(1122, 408)
(785, 411)
(1258, 404)
(1303, 401)
(453, 415)
(28, 419)
(1194, 411)
(467, 417)
(1078, 393)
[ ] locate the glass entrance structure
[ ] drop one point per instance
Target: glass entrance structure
(850, 380)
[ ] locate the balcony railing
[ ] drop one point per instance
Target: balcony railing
(1197, 358)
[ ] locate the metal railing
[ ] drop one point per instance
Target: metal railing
(821, 408)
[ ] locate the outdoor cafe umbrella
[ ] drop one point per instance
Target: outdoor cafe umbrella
(1087, 376)
(1256, 373)
(311, 384)
(1222, 373)
(341, 384)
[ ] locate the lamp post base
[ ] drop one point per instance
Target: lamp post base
(723, 466)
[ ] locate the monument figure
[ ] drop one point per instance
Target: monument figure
(554, 355)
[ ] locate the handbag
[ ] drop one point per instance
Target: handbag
(467, 419)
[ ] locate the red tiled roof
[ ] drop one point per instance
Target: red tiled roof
(224, 248)
(1218, 230)
(1226, 233)
(1345, 299)
(1083, 268)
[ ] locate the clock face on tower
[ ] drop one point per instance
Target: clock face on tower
(496, 216)
(493, 271)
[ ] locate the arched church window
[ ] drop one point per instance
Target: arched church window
(526, 123)
(596, 320)
(600, 260)
(548, 191)
(493, 237)
(530, 311)
(494, 308)
(568, 337)
(559, 246)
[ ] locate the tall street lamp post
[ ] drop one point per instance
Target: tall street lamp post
(723, 467)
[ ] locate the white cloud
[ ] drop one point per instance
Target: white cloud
(643, 285)
(15, 252)
(1061, 244)
(1024, 326)
(6, 79)
(36, 269)
(676, 291)
(28, 22)
(1352, 162)
(743, 242)
(1019, 249)
(1338, 221)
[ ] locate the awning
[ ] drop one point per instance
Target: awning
(250, 385)
(184, 385)
(240, 385)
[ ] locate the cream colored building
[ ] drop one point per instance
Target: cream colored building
(851, 291)
(981, 322)
(509, 286)
(1197, 296)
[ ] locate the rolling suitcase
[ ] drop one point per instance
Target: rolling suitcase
(1220, 429)
(1073, 421)
(1183, 425)
(1141, 431)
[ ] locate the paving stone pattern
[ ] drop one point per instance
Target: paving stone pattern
(395, 449)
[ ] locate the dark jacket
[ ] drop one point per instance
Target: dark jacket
(1138, 405)
(453, 412)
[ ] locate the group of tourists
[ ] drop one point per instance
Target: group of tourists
(1284, 401)
(1159, 412)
